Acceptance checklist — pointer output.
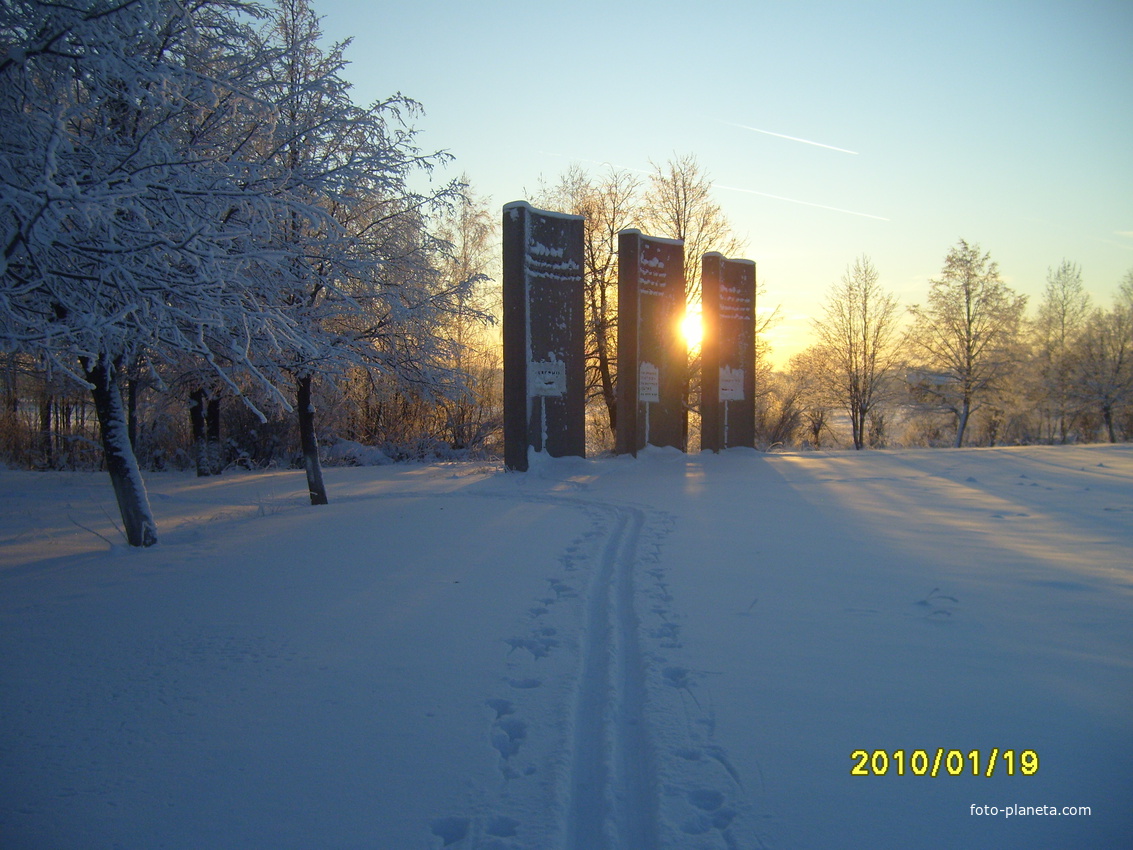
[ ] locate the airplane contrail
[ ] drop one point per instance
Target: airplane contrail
(797, 201)
(791, 138)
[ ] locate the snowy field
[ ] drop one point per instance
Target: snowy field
(668, 652)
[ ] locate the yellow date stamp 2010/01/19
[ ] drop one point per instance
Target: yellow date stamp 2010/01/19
(942, 762)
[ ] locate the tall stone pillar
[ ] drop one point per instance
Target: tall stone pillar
(544, 334)
(727, 348)
(652, 354)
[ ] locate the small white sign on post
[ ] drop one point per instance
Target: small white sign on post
(731, 384)
(546, 378)
(648, 383)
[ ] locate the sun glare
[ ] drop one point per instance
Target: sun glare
(691, 328)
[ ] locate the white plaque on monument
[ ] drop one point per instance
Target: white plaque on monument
(648, 383)
(731, 384)
(547, 378)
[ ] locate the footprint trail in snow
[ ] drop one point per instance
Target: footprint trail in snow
(601, 743)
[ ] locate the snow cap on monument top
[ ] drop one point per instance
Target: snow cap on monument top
(635, 231)
(516, 205)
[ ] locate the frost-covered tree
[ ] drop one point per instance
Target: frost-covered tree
(1102, 362)
(470, 232)
(363, 281)
(859, 332)
(1061, 316)
(131, 209)
(966, 336)
(809, 374)
(678, 204)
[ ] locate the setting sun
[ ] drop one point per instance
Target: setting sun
(691, 327)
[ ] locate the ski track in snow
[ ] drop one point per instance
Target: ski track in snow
(612, 803)
(623, 782)
(584, 709)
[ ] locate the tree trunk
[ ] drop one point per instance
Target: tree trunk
(857, 417)
(133, 504)
(212, 435)
(132, 412)
(962, 423)
(46, 434)
(1107, 415)
(200, 437)
(609, 392)
(10, 414)
(310, 443)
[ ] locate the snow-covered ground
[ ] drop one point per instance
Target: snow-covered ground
(668, 652)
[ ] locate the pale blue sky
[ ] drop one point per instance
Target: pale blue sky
(1005, 124)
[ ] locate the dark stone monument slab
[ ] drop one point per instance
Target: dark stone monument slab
(544, 351)
(727, 380)
(652, 354)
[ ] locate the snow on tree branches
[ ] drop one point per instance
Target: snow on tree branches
(180, 186)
